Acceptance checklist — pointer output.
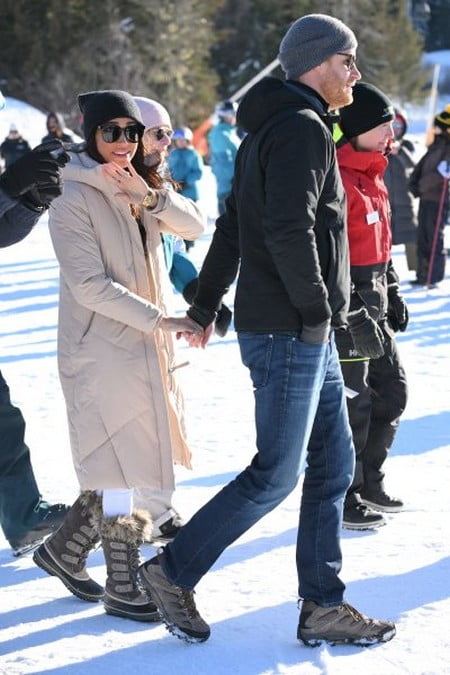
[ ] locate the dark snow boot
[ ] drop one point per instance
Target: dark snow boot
(121, 537)
(64, 553)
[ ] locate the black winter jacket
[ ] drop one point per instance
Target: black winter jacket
(285, 219)
(16, 220)
(403, 212)
(13, 149)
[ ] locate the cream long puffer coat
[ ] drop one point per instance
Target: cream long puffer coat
(118, 370)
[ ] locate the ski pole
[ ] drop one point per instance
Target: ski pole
(437, 226)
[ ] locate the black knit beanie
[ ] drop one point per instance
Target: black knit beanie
(99, 107)
(369, 109)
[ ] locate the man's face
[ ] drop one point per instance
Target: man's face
(337, 76)
(156, 144)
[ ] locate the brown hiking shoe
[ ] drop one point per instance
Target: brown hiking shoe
(341, 624)
(176, 605)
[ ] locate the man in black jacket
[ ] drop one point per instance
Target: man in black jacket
(285, 226)
(26, 189)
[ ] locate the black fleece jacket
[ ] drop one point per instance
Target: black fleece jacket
(285, 219)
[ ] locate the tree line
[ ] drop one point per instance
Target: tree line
(188, 54)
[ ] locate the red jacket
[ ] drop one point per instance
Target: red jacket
(368, 218)
(369, 229)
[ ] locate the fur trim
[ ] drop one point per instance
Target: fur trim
(91, 501)
(132, 529)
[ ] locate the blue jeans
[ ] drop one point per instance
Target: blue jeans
(301, 419)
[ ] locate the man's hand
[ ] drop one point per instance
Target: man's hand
(316, 335)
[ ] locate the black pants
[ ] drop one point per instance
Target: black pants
(21, 506)
(428, 213)
(375, 412)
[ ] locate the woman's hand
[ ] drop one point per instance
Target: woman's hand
(183, 327)
(199, 339)
(131, 187)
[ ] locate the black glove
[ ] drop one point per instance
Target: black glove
(202, 316)
(366, 334)
(35, 178)
(223, 318)
(316, 335)
(398, 315)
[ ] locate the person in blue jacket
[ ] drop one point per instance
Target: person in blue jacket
(26, 189)
(185, 163)
(186, 166)
(224, 142)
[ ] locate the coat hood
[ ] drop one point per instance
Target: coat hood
(84, 169)
(270, 96)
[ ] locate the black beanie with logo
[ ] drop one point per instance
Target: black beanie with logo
(369, 109)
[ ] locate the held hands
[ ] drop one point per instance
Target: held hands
(366, 334)
(183, 327)
(131, 187)
(199, 340)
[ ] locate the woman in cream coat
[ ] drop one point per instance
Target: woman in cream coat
(116, 357)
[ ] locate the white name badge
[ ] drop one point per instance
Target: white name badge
(372, 218)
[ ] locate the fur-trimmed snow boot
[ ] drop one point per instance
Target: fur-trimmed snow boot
(64, 553)
(121, 537)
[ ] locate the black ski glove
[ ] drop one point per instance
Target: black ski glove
(398, 315)
(35, 178)
(366, 334)
(223, 318)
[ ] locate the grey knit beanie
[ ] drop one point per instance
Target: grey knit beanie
(311, 40)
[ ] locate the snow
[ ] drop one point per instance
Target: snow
(399, 572)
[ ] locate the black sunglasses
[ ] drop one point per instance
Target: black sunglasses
(160, 132)
(111, 133)
(350, 62)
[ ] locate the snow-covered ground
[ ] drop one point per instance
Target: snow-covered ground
(400, 572)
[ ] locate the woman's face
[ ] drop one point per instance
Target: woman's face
(114, 144)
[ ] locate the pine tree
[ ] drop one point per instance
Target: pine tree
(389, 50)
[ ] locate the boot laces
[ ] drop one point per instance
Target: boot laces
(356, 616)
(188, 602)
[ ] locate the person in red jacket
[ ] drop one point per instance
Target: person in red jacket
(367, 350)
